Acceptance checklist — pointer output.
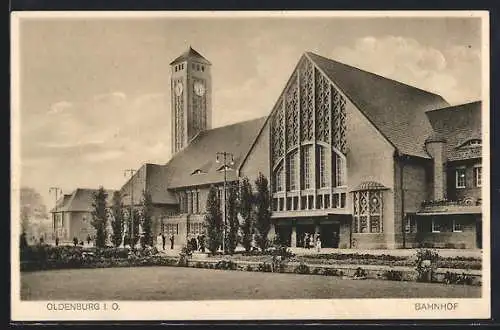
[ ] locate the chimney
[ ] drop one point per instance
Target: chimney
(435, 146)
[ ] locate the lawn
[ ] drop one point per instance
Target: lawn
(172, 283)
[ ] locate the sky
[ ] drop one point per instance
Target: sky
(95, 92)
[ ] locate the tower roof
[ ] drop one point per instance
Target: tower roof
(190, 54)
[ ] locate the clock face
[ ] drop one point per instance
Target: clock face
(178, 89)
(199, 89)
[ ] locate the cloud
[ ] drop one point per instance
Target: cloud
(453, 72)
(59, 107)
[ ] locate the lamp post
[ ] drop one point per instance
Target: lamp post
(225, 157)
(131, 172)
(57, 193)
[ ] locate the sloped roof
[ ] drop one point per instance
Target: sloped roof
(190, 54)
(80, 200)
(61, 202)
(397, 110)
(458, 124)
(370, 185)
(201, 154)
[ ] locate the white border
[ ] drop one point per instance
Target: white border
(249, 309)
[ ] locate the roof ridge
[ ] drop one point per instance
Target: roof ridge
(374, 74)
(455, 106)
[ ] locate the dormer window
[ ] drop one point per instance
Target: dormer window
(472, 143)
(197, 171)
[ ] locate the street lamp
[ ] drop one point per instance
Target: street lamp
(225, 158)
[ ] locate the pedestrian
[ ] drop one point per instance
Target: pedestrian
(172, 238)
(318, 244)
(308, 239)
(88, 239)
(194, 244)
(75, 241)
(163, 240)
(57, 241)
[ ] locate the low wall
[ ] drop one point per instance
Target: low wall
(449, 240)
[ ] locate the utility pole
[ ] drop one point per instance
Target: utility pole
(225, 157)
(57, 193)
(131, 172)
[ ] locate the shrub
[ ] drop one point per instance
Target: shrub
(317, 271)
(226, 265)
(331, 272)
(454, 278)
(198, 265)
(302, 269)
(426, 265)
(249, 268)
(360, 273)
(265, 267)
(393, 275)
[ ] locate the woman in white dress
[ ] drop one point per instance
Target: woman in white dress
(318, 244)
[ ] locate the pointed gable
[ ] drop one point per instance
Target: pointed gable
(190, 54)
(395, 109)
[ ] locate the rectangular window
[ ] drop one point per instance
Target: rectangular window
(310, 200)
(275, 204)
(342, 200)
(289, 203)
(477, 176)
(319, 202)
(303, 202)
(307, 167)
(436, 226)
(336, 201)
(323, 169)
(292, 171)
(327, 201)
(295, 203)
(340, 170)
(460, 177)
(458, 226)
(281, 206)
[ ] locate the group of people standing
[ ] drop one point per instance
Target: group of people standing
(312, 241)
(195, 244)
(163, 240)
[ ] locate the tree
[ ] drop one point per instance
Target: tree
(33, 210)
(135, 234)
(262, 211)
(233, 224)
(147, 219)
(99, 216)
(117, 221)
(213, 221)
(245, 211)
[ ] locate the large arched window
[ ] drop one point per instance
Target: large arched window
(293, 170)
(340, 171)
(324, 173)
(307, 163)
(279, 178)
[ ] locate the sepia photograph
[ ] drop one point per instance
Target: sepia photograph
(250, 165)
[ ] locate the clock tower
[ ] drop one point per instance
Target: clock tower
(191, 93)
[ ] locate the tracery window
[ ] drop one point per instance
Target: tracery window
(340, 171)
(323, 167)
(368, 207)
(293, 170)
(306, 167)
(279, 178)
